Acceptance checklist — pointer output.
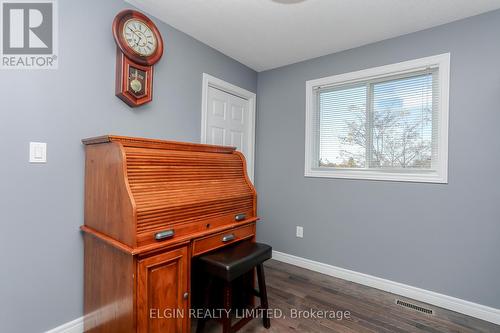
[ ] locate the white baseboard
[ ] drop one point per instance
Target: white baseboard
(443, 301)
(74, 326)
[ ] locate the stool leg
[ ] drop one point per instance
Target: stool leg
(263, 295)
(206, 301)
(226, 321)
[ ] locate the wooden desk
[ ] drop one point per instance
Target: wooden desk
(150, 207)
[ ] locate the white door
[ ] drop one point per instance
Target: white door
(229, 122)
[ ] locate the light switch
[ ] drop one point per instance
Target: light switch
(38, 152)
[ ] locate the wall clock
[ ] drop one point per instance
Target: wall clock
(139, 47)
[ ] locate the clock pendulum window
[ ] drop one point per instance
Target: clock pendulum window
(139, 47)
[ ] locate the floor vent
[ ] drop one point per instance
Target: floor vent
(414, 307)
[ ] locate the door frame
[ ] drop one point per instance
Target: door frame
(212, 81)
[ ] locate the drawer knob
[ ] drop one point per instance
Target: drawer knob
(228, 238)
(240, 217)
(164, 234)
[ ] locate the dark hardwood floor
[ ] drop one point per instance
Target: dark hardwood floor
(371, 310)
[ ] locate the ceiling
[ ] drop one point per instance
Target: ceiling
(265, 34)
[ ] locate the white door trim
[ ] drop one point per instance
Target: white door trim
(211, 81)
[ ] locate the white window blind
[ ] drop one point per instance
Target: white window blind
(387, 126)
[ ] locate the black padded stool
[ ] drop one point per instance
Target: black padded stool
(228, 264)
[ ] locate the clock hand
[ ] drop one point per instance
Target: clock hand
(140, 39)
(135, 33)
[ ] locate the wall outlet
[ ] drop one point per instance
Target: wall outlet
(300, 232)
(38, 152)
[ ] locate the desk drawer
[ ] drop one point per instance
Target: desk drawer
(221, 239)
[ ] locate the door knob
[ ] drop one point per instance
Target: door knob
(186, 295)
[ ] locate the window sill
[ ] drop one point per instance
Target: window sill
(431, 177)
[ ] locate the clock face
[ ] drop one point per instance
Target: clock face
(139, 37)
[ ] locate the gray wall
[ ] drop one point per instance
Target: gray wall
(444, 238)
(41, 206)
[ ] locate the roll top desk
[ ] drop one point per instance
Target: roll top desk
(150, 207)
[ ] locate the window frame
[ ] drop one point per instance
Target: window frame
(439, 175)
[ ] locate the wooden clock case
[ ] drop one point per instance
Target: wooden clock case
(129, 62)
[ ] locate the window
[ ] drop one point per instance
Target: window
(384, 123)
